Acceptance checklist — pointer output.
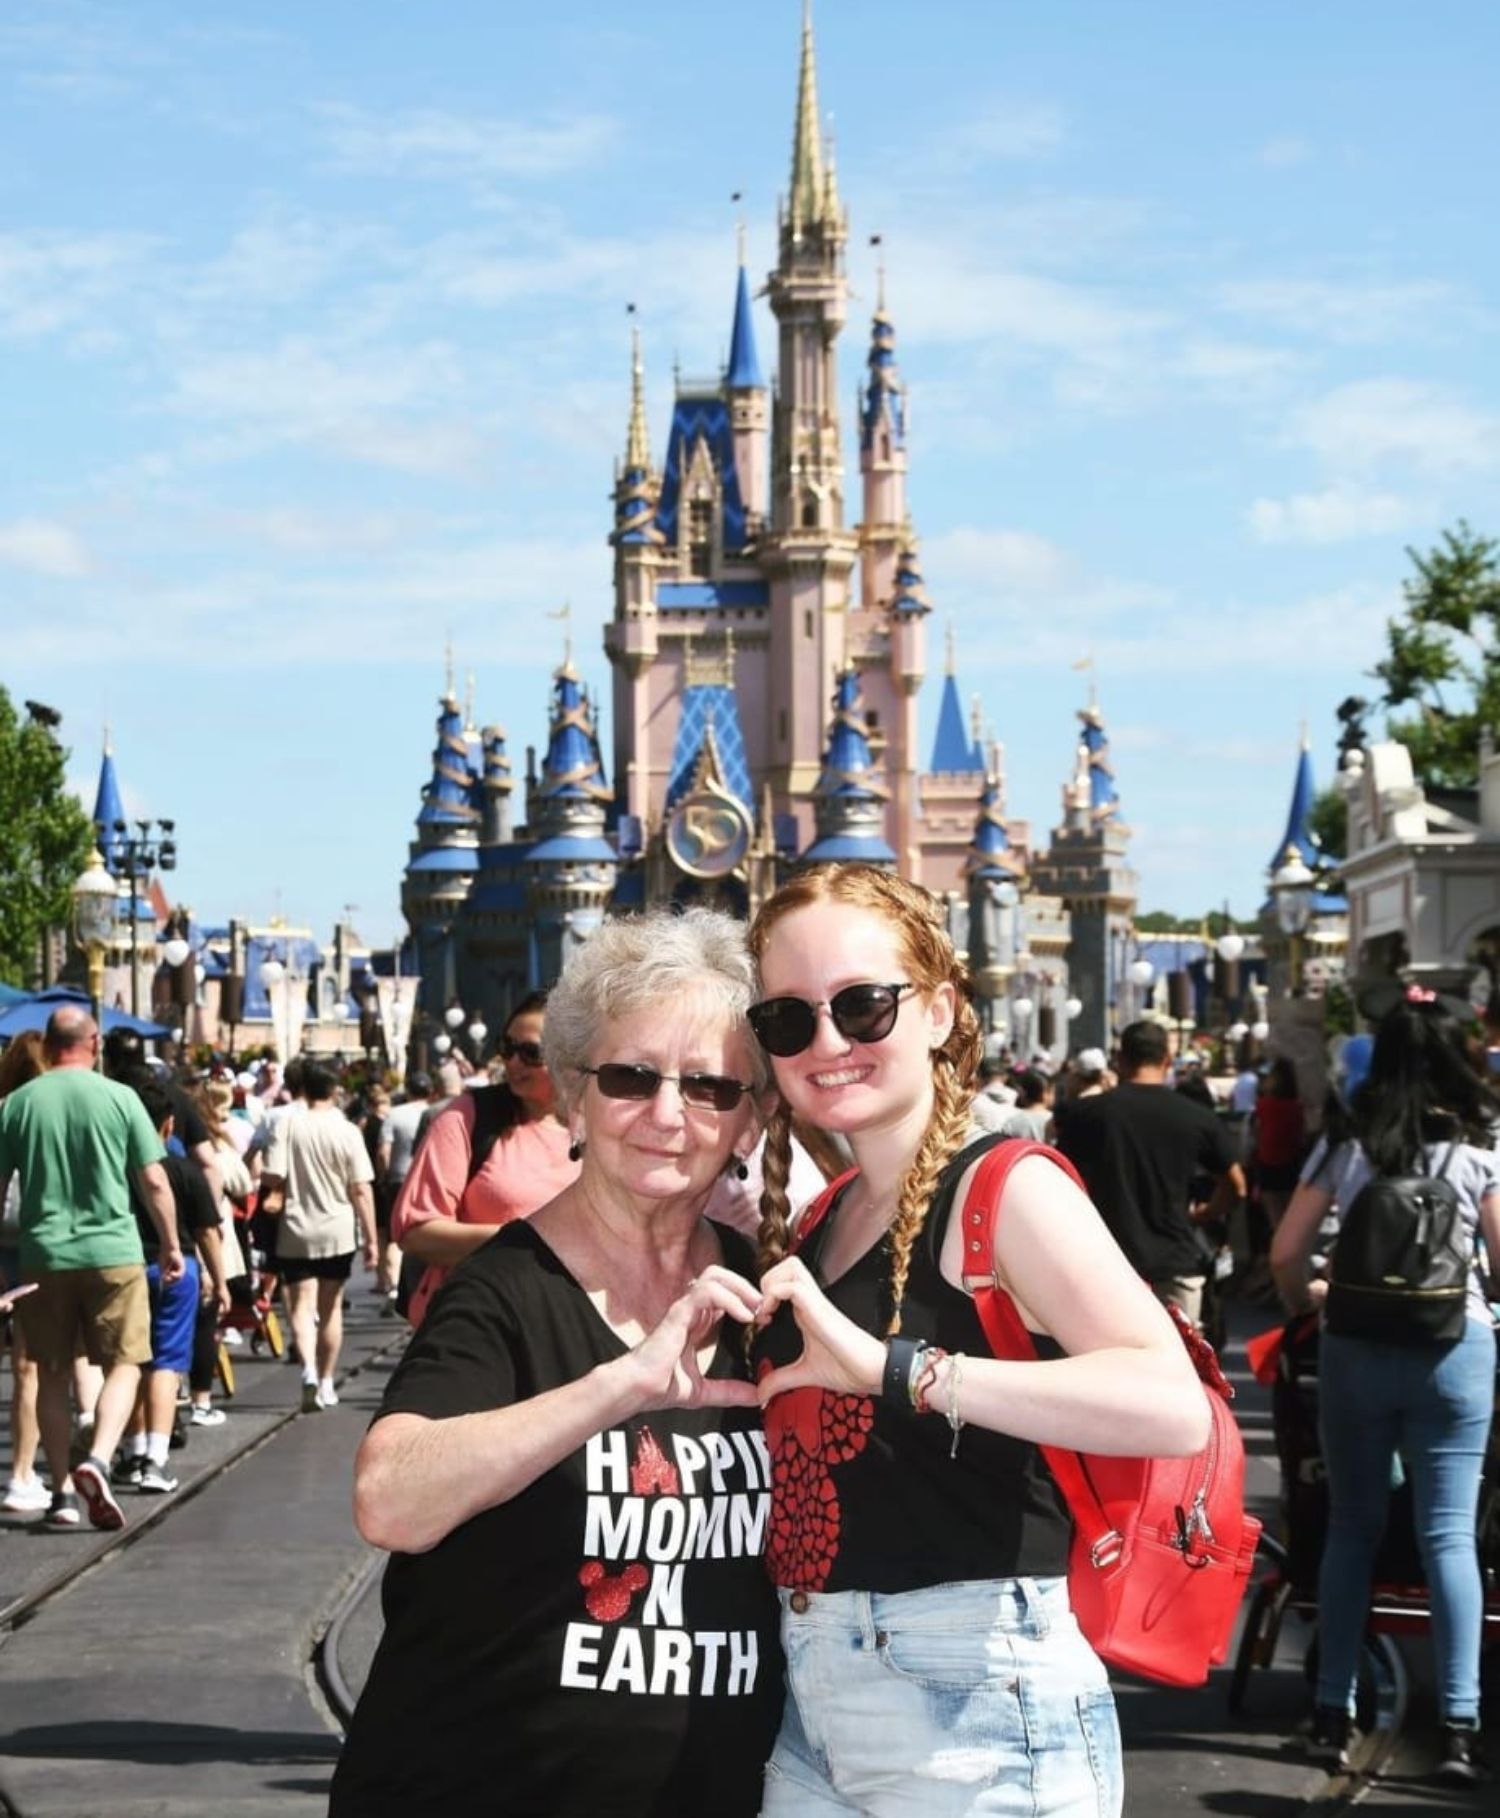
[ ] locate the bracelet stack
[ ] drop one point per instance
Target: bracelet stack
(911, 1370)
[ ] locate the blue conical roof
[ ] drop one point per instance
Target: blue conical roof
(1104, 798)
(1299, 837)
(990, 837)
(109, 807)
(448, 800)
(911, 595)
(849, 796)
(744, 364)
(952, 749)
(572, 770)
(884, 393)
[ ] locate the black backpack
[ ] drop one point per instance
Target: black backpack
(1399, 1272)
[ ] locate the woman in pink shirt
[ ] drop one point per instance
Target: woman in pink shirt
(453, 1198)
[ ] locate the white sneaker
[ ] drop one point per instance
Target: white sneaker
(327, 1394)
(232, 1336)
(27, 1496)
(206, 1417)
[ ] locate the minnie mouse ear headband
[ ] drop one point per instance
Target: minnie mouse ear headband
(1376, 1001)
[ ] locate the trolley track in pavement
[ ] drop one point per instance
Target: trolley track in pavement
(147, 1516)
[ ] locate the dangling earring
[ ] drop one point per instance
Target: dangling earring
(741, 1168)
(575, 1149)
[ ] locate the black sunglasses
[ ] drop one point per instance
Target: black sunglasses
(626, 1079)
(530, 1052)
(862, 1013)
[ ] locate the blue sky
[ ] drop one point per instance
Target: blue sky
(316, 354)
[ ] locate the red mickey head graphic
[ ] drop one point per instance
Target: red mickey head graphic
(608, 1599)
(809, 1430)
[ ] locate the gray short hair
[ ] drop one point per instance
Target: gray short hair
(643, 962)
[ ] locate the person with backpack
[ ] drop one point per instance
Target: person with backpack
(493, 1154)
(1407, 1357)
(918, 1542)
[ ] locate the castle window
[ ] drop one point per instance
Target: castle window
(885, 445)
(701, 535)
(809, 511)
(872, 720)
(807, 624)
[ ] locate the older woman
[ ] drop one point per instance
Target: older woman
(568, 1466)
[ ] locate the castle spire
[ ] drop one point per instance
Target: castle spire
(883, 405)
(810, 192)
(1299, 839)
(744, 364)
(849, 800)
(109, 808)
(637, 443)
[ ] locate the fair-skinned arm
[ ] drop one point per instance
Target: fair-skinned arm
(425, 1220)
(211, 1255)
(1292, 1245)
(207, 1159)
(1126, 1385)
(363, 1200)
(416, 1480)
(156, 1191)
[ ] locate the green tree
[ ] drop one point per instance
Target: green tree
(1329, 822)
(45, 838)
(1443, 657)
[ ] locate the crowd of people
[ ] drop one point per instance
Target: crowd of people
(762, 1512)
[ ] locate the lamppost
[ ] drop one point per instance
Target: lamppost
(273, 972)
(1140, 972)
(95, 899)
(152, 845)
(1292, 885)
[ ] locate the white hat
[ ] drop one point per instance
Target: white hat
(1093, 1060)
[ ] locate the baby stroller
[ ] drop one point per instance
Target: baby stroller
(1399, 1600)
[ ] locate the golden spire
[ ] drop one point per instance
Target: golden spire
(808, 191)
(637, 446)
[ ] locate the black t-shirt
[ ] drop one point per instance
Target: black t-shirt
(605, 1643)
(866, 1498)
(194, 1201)
(1138, 1148)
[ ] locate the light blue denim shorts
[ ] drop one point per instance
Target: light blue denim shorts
(979, 1698)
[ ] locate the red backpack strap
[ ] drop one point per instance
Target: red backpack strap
(1003, 1325)
(814, 1213)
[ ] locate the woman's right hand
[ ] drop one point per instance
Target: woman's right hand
(666, 1360)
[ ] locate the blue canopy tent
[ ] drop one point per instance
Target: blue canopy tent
(12, 994)
(34, 1009)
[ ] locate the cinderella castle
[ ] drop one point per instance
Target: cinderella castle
(767, 661)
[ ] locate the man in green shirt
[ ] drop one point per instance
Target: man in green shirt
(74, 1138)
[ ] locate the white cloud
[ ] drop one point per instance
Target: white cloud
(997, 561)
(1350, 314)
(56, 281)
(432, 144)
(1357, 427)
(1009, 131)
(1336, 515)
(39, 547)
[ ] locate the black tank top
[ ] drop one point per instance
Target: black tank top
(865, 1498)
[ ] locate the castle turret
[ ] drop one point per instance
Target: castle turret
(631, 639)
(882, 461)
(571, 867)
(1086, 867)
(443, 858)
(810, 555)
(109, 811)
(497, 787)
(749, 415)
(849, 802)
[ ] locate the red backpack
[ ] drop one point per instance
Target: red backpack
(1162, 1547)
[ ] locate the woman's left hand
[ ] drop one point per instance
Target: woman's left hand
(836, 1353)
(667, 1356)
